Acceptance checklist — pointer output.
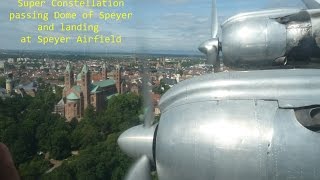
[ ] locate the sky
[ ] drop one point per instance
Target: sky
(162, 26)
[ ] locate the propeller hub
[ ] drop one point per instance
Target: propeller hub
(211, 49)
(138, 141)
(209, 45)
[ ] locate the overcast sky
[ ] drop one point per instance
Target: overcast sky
(157, 25)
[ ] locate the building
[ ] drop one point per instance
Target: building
(30, 89)
(11, 60)
(135, 88)
(9, 83)
(117, 76)
(169, 81)
(80, 93)
(59, 108)
(2, 64)
(9, 86)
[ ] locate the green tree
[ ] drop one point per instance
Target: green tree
(27, 126)
(87, 131)
(34, 169)
(64, 172)
(3, 82)
(96, 135)
(123, 111)
(61, 146)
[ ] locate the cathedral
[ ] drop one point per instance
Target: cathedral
(80, 92)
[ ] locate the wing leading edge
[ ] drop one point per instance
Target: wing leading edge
(312, 4)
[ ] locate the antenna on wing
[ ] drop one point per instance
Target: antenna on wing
(212, 47)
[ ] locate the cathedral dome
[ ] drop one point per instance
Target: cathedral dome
(73, 97)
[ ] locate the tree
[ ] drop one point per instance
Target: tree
(28, 127)
(2, 82)
(85, 135)
(61, 146)
(102, 161)
(96, 135)
(123, 111)
(34, 169)
(61, 78)
(64, 172)
(87, 132)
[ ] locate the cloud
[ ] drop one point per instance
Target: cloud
(285, 3)
(157, 25)
(176, 1)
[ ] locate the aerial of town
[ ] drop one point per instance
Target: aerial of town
(57, 108)
(159, 90)
(105, 76)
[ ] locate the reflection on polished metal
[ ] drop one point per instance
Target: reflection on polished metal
(290, 88)
(138, 141)
(211, 49)
(233, 125)
(260, 39)
(262, 124)
(239, 125)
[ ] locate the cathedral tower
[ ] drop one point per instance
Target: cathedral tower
(117, 77)
(104, 72)
(85, 85)
(68, 79)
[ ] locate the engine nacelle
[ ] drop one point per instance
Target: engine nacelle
(241, 126)
(269, 37)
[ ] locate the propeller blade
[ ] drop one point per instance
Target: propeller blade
(212, 46)
(215, 26)
(140, 170)
(147, 101)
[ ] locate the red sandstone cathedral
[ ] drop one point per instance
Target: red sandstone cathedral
(80, 92)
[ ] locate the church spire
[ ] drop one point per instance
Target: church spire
(68, 77)
(104, 72)
(85, 68)
(117, 77)
(68, 68)
(85, 85)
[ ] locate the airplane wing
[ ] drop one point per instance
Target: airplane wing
(312, 4)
